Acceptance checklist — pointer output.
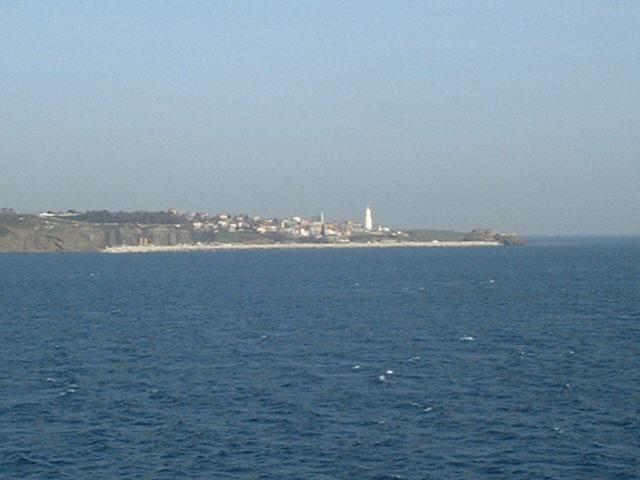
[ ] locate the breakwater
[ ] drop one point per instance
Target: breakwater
(275, 246)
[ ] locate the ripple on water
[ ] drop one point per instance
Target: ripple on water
(242, 364)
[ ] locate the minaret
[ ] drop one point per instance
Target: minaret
(368, 219)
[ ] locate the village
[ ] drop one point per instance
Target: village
(296, 228)
(101, 230)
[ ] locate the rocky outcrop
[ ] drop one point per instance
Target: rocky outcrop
(490, 235)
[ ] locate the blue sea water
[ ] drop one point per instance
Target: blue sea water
(488, 363)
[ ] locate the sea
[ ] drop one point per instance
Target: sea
(408, 363)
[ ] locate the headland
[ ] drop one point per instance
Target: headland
(172, 231)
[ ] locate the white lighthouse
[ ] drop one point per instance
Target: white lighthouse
(368, 219)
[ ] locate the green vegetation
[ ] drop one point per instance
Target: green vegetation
(431, 235)
(15, 220)
(364, 237)
(9, 217)
(150, 218)
(242, 236)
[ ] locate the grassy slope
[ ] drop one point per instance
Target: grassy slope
(29, 233)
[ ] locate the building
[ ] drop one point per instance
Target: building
(368, 219)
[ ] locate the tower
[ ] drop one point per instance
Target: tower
(368, 219)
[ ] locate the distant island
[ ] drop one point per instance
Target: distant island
(173, 230)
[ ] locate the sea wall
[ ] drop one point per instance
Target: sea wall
(294, 246)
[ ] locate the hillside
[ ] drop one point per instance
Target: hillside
(30, 233)
(94, 231)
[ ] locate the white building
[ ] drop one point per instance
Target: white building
(368, 219)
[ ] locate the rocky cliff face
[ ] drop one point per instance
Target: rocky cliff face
(142, 235)
(29, 233)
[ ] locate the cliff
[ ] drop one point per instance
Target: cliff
(30, 233)
(99, 230)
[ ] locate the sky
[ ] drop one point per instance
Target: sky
(522, 116)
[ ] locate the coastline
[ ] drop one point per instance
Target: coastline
(290, 246)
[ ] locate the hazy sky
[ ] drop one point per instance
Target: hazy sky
(520, 115)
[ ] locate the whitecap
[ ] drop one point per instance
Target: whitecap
(382, 378)
(355, 367)
(49, 379)
(389, 372)
(428, 409)
(467, 338)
